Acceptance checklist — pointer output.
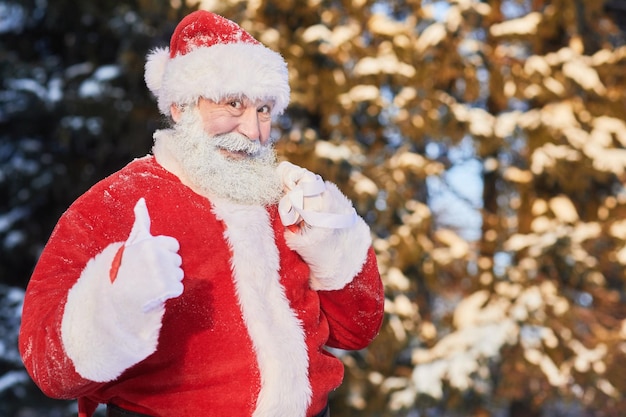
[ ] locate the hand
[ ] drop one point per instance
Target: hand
(294, 176)
(307, 200)
(336, 241)
(112, 322)
(146, 270)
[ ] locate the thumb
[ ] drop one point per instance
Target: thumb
(290, 174)
(141, 227)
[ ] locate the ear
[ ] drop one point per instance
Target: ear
(175, 111)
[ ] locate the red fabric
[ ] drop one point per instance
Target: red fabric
(115, 266)
(204, 29)
(86, 407)
(204, 364)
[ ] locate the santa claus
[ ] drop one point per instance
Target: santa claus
(204, 279)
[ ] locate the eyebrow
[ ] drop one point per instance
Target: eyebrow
(244, 98)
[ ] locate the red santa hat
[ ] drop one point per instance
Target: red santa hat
(212, 57)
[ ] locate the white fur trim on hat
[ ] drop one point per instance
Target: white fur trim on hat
(155, 68)
(216, 72)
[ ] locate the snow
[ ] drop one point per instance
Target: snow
(460, 357)
(107, 72)
(96, 85)
(527, 25)
(428, 378)
(78, 70)
(13, 239)
(30, 85)
(55, 90)
(11, 299)
(90, 88)
(431, 37)
(15, 214)
(12, 17)
(12, 378)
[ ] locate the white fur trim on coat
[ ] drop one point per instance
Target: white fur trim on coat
(275, 330)
(216, 72)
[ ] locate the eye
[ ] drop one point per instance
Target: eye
(265, 111)
(235, 104)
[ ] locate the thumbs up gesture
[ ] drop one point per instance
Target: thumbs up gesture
(146, 269)
(114, 312)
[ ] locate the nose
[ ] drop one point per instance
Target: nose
(249, 124)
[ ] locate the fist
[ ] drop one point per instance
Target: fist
(308, 199)
(303, 190)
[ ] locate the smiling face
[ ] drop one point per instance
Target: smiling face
(225, 149)
(251, 119)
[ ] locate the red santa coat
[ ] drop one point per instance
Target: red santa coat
(247, 335)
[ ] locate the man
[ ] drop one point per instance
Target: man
(204, 280)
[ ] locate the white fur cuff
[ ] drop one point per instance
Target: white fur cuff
(95, 336)
(335, 256)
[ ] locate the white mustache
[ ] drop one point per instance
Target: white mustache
(236, 142)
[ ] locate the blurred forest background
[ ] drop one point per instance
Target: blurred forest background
(483, 141)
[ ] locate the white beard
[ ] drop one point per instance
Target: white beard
(251, 180)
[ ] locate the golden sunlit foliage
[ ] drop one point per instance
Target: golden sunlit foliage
(483, 141)
(530, 312)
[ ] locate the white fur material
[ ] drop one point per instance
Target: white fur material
(93, 337)
(155, 68)
(274, 328)
(335, 256)
(216, 72)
